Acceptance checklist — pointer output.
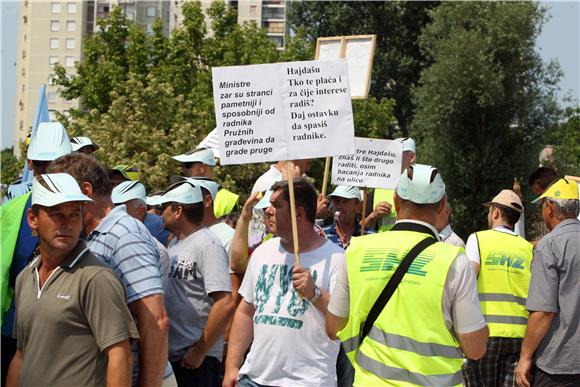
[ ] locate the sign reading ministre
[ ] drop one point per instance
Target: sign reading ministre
(283, 111)
(375, 164)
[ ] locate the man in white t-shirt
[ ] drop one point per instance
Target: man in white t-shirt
(284, 304)
(443, 226)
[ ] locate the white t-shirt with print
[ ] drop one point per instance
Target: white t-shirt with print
(290, 347)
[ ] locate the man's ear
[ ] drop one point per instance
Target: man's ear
(300, 213)
(207, 201)
(32, 220)
(87, 189)
(397, 202)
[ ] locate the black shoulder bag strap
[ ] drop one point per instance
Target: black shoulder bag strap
(392, 285)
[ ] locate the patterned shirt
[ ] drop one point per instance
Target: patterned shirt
(125, 245)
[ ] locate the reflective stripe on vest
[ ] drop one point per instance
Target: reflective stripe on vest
(224, 203)
(409, 342)
(385, 195)
(504, 278)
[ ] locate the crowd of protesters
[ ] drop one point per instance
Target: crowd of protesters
(103, 284)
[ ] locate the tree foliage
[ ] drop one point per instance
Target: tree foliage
(147, 97)
(484, 102)
(566, 139)
(397, 61)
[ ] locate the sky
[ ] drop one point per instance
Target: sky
(559, 40)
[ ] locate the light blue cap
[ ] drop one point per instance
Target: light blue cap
(198, 155)
(347, 192)
(49, 142)
(421, 188)
(62, 188)
(184, 192)
(81, 142)
(265, 201)
(209, 185)
(129, 190)
(408, 144)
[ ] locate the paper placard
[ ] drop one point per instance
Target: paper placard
(358, 50)
(211, 142)
(283, 111)
(376, 164)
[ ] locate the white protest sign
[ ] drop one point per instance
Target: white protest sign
(358, 50)
(283, 111)
(376, 164)
(211, 142)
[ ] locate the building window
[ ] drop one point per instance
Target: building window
(51, 96)
(70, 43)
(253, 10)
(54, 43)
(23, 54)
(71, 26)
(21, 124)
(55, 8)
(71, 7)
(51, 81)
(69, 61)
(54, 25)
(23, 71)
(25, 19)
(149, 28)
(151, 11)
(24, 37)
(52, 60)
(130, 16)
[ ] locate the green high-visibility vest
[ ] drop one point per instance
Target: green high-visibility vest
(503, 282)
(10, 219)
(385, 223)
(224, 203)
(409, 343)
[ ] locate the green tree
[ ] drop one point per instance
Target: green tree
(397, 61)
(485, 101)
(566, 138)
(149, 97)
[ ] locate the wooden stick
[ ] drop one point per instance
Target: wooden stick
(325, 179)
(293, 210)
(575, 178)
(364, 218)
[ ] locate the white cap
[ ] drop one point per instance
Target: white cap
(184, 192)
(208, 184)
(80, 142)
(62, 188)
(129, 190)
(347, 192)
(198, 155)
(408, 144)
(265, 201)
(421, 188)
(153, 200)
(49, 142)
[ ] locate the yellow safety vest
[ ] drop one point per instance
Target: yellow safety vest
(503, 282)
(224, 203)
(409, 343)
(385, 223)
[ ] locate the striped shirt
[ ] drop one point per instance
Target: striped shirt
(125, 245)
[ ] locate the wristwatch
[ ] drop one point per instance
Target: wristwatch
(317, 294)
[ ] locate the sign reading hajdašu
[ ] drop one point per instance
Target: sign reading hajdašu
(283, 111)
(375, 164)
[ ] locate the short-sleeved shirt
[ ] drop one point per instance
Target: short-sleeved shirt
(331, 234)
(448, 236)
(198, 266)
(64, 327)
(154, 224)
(472, 245)
(555, 287)
(126, 246)
(460, 304)
(290, 347)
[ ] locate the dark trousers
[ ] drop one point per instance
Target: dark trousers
(344, 370)
(207, 375)
(8, 351)
(544, 379)
(497, 367)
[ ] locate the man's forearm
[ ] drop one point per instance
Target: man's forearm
(119, 366)
(538, 325)
(13, 378)
(241, 336)
(239, 251)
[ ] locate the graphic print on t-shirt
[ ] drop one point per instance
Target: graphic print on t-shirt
(283, 307)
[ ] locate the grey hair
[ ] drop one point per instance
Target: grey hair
(565, 208)
(135, 203)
